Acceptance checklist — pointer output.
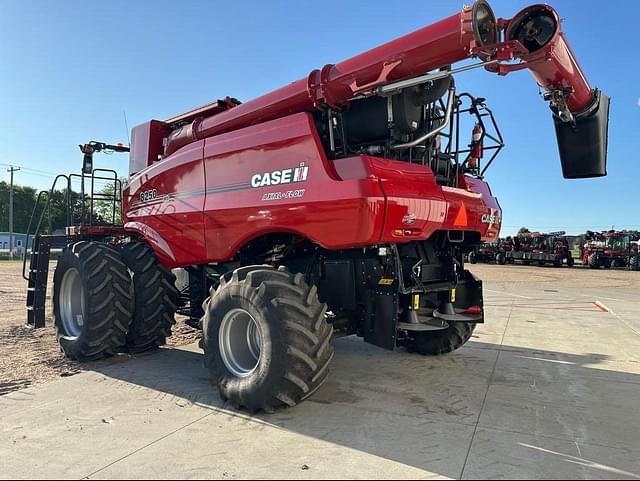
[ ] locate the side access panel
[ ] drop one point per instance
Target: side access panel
(275, 177)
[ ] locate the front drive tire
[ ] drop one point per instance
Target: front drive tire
(92, 301)
(436, 343)
(266, 340)
(156, 298)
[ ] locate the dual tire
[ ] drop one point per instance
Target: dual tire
(266, 340)
(110, 299)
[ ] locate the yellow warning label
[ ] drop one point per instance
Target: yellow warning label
(385, 281)
(416, 302)
(453, 295)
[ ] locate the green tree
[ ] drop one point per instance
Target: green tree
(104, 207)
(524, 230)
(24, 199)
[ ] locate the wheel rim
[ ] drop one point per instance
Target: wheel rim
(240, 342)
(72, 303)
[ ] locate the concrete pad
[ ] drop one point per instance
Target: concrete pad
(70, 428)
(447, 388)
(530, 395)
(314, 441)
(538, 392)
(499, 455)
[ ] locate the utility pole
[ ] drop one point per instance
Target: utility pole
(12, 169)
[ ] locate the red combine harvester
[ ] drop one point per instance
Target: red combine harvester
(610, 249)
(340, 204)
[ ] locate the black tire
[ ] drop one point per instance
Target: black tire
(156, 298)
(436, 343)
(473, 258)
(105, 305)
(593, 261)
(570, 261)
(295, 338)
(634, 263)
(501, 259)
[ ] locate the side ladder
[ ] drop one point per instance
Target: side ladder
(38, 280)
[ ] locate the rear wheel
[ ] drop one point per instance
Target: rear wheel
(266, 340)
(634, 263)
(156, 298)
(92, 301)
(594, 261)
(473, 258)
(501, 259)
(435, 343)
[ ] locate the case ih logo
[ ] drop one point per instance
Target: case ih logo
(490, 219)
(279, 177)
(409, 219)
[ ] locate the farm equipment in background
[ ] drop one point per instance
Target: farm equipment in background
(610, 249)
(540, 248)
(634, 260)
(485, 253)
(340, 204)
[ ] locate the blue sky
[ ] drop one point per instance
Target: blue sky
(69, 69)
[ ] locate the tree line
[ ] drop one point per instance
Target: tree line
(24, 201)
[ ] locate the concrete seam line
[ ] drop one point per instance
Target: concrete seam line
(88, 476)
(613, 313)
(486, 394)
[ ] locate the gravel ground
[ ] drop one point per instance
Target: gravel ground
(557, 277)
(32, 356)
(28, 357)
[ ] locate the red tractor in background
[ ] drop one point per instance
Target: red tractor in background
(610, 249)
(485, 253)
(340, 204)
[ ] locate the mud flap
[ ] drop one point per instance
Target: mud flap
(381, 321)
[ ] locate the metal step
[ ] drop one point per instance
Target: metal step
(38, 280)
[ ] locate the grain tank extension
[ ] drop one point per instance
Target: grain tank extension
(341, 204)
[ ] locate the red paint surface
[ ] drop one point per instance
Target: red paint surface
(206, 210)
(555, 66)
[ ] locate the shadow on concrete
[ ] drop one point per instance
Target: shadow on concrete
(421, 412)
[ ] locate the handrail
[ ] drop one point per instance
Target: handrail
(46, 208)
(33, 214)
